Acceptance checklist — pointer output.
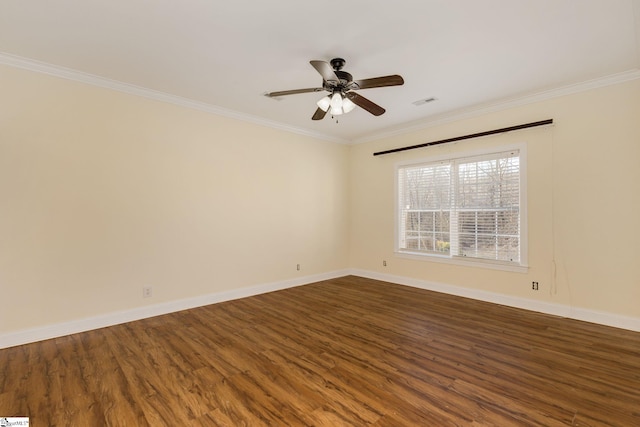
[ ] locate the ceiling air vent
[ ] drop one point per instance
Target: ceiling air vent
(424, 101)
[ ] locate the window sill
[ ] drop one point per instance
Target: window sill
(468, 262)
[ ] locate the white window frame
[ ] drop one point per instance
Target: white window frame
(522, 266)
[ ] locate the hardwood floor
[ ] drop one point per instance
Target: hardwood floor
(349, 351)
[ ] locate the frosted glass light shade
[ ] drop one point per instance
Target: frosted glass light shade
(324, 103)
(347, 105)
(336, 101)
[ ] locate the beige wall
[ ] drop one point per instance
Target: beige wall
(583, 201)
(102, 193)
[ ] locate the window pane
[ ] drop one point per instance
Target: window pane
(426, 221)
(412, 241)
(443, 244)
(426, 187)
(426, 242)
(413, 221)
(467, 222)
(487, 247)
(509, 248)
(467, 244)
(441, 221)
(486, 222)
(479, 246)
(508, 222)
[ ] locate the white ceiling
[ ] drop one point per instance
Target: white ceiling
(465, 53)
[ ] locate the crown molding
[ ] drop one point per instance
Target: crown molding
(91, 79)
(503, 104)
(436, 120)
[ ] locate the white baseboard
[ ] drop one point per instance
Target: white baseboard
(61, 329)
(592, 316)
(67, 328)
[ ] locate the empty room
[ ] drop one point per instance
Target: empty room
(279, 213)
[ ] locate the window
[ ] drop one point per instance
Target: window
(465, 209)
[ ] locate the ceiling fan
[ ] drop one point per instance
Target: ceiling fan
(341, 87)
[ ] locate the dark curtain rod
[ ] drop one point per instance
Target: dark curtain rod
(473, 135)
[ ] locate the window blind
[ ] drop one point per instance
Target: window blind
(462, 207)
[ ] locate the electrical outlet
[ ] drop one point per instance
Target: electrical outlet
(384, 263)
(147, 292)
(534, 286)
(298, 267)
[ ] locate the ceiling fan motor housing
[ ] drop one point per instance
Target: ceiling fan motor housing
(345, 78)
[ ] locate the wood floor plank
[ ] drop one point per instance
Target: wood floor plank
(110, 385)
(341, 352)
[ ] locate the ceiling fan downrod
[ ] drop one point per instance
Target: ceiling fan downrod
(337, 63)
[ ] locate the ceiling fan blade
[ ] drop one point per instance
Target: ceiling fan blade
(293, 92)
(319, 114)
(363, 102)
(394, 80)
(325, 70)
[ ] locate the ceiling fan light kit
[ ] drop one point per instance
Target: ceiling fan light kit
(336, 104)
(341, 86)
